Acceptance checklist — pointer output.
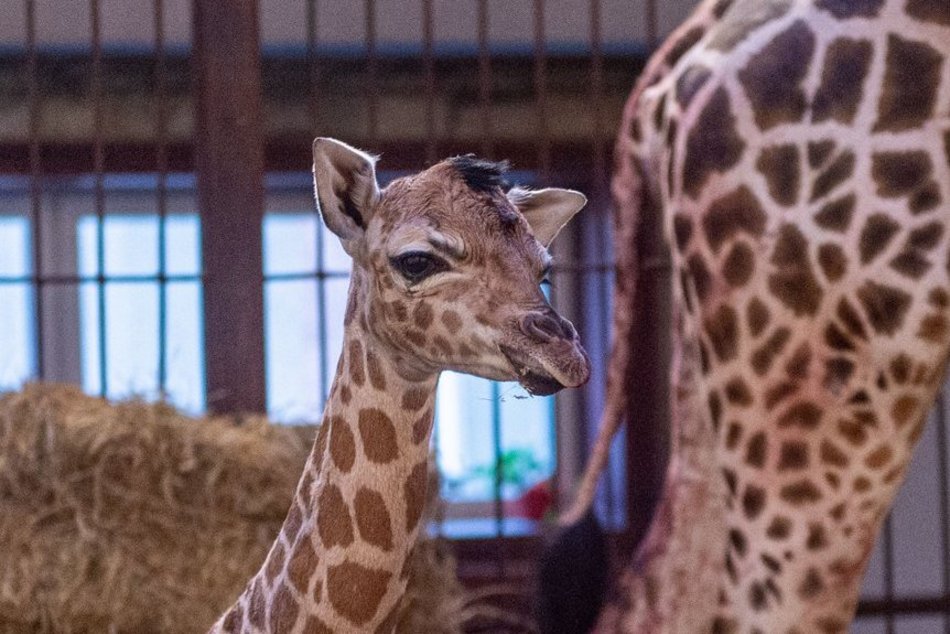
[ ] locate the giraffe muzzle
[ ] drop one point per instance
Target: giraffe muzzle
(546, 327)
(550, 357)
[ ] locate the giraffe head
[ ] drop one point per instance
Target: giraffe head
(447, 267)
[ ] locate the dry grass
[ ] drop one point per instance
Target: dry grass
(134, 518)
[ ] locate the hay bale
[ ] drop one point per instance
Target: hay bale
(135, 518)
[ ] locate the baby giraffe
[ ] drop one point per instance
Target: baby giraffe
(446, 274)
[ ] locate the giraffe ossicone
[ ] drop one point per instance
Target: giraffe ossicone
(447, 266)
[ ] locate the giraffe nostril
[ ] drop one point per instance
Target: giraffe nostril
(543, 328)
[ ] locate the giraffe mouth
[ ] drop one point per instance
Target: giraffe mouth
(534, 379)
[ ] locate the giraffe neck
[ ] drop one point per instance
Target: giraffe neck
(770, 142)
(339, 563)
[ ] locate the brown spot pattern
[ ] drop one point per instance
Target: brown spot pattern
(302, 564)
(333, 521)
(779, 165)
(929, 11)
(723, 332)
(832, 455)
(885, 306)
(739, 265)
(283, 610)
(793, 456)
(836, 214)
(342, 444)
(415, 399)
(377, 377)
(876, 235)
(753, 501)
(832, 260)
(378, 435)
(803, 414)
(836, 173)
(256, 608)
(899, 173)
(682, 230)
(356, 591)
(911, 79)
(684, 44)
(315, 626)
(757, 315)
(372, 519)
(294, 516)
(275, 562)
(422, 315)
(819, 151)
(756, 450)
(792, 282)
(713, 145)
(842, 9)
(772, 78)
(422, 426)
(764, 355)
(800, 492)
(357, 373)
(452, 321)
(414, 491)
(842, 80)
(736, 212)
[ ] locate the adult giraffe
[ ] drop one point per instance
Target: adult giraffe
(446, 274)
(799, 151)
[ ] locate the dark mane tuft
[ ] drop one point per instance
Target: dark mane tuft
(481, 175)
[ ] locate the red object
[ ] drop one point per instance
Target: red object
(535, 502)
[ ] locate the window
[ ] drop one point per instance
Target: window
(139, 333)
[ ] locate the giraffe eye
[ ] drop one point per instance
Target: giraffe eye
(415, 266)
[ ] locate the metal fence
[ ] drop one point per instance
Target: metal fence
(540, 83)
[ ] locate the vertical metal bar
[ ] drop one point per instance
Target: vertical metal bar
(499, 507)
(229, 157)
(596, 100)
(943, 472)
(428, 61)
(161, 164)
(487, 133)
(888, 547)
(321, 280)
(371, 73)
(99, 169)
(598, 184)
(540, 88)
(651, 20)
(36, 209)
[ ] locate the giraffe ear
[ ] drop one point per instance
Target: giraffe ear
(344, 183)
(547, 210)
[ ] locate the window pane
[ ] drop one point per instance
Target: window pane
(292, 357)
(184, 346)
(335, 258)
(336, 292)
(131, 245)
(290, 243)
(463, 421)
(132, 314)
(16, 335)
(182, 244)
(465, 409)
(131, 328)
(15, 249)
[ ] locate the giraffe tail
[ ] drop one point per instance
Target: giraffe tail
(573, 578)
